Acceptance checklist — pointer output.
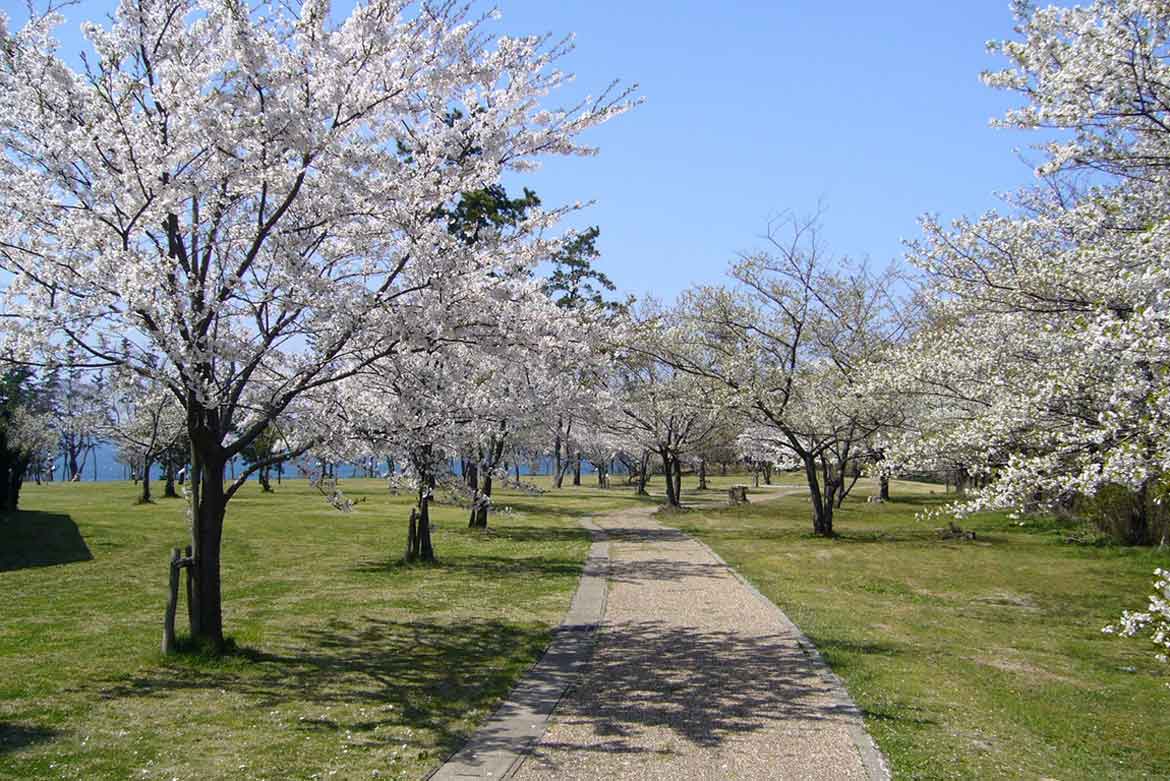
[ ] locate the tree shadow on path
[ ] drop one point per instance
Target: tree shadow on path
(705, 687)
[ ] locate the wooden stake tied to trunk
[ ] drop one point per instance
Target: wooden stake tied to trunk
(176, 563)
(412, 537)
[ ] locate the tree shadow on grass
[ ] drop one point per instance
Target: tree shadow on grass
(534, 533)
(586, 509)
(16, 736)
(39, 539)
(482, 567)
(539, 507)
(367, 675)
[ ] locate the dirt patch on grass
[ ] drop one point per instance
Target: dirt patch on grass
(1006, 599)
(1010, 661)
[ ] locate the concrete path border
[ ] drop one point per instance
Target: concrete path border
(501, 743)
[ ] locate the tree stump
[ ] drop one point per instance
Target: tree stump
(737, 494)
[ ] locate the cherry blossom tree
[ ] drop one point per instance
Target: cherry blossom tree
(786, 347)
(145, 421)
(27, 434)
(1041, 368)
(81, 406)
(240, 201)
(661, 408)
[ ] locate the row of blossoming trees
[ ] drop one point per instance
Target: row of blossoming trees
(280, 221)
(276, 235)
(1025, 351)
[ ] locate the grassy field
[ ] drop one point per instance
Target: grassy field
(349, 662)
(973, 659)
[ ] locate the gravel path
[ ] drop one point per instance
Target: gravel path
(696, 676)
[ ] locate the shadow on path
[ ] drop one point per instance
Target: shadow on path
(705, 687)
(669, 570)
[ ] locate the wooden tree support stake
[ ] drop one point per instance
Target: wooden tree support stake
(412, 537)
(176, 563)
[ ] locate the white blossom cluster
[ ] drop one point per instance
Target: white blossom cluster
(1042, 359)
(1154, 620)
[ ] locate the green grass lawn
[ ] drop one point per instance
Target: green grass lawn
(349, 662)
(974, 659)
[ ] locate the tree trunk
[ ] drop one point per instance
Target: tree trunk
(557, 471)
(644, 473)
(1137, 530)
(671, 499)
(702, 474)
(822, 510)
(169, 491)
(6, 500)
(11, 479)
(475, 519)
(147, 463)
(74, 467)
(479, 516)
(884, 487)
(678, 480)
(561, 472)
(767, 473)
(208, 506)
(481, 519)
(668, 462)
(577, 470)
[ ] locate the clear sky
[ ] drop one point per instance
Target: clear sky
(757, 107)
(753, 108)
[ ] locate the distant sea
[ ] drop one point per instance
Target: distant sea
(101, 465)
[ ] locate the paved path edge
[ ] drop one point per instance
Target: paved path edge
(871, 756)
(499, 745)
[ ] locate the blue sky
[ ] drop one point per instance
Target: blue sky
(753, 108)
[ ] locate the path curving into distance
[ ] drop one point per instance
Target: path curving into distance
(693, 674)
